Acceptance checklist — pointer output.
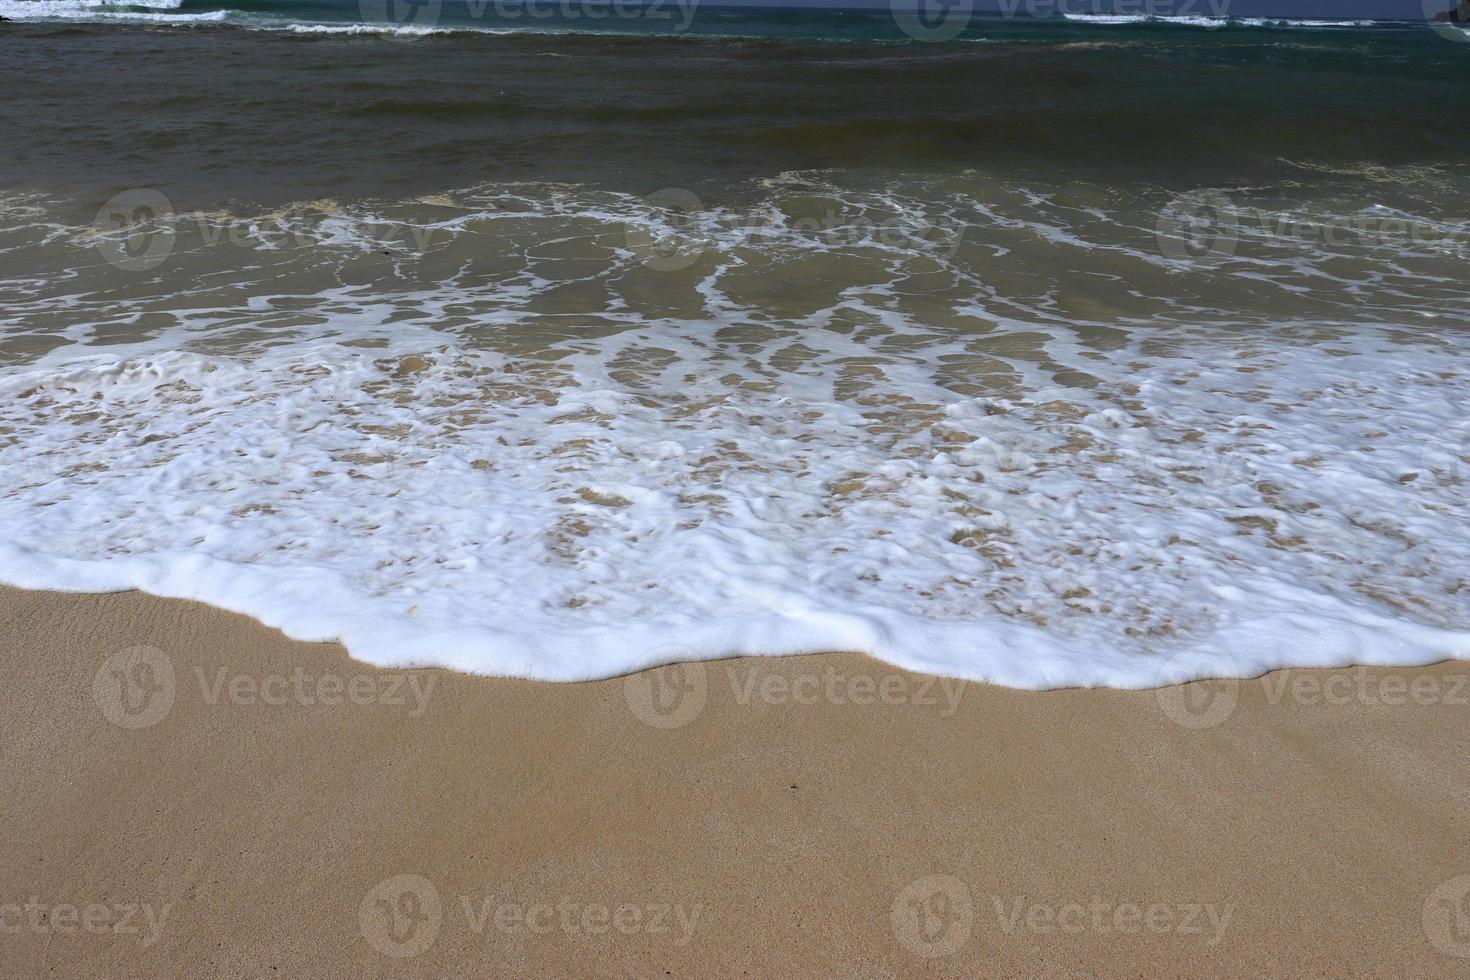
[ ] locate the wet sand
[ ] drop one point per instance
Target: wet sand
(189, 793)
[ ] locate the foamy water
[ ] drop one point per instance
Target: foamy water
(983, 429)
(1219, 20)
(369, 18)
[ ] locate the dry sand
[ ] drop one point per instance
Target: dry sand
(192, 808)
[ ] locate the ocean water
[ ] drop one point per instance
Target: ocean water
(1069, 350)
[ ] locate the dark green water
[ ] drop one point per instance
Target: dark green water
(275, 102)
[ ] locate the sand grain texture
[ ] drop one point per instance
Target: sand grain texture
(768, 837)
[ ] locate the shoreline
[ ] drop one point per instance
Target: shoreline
(1016, 654)
(253, 805)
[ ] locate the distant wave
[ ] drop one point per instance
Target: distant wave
(404, 30)
(78, 8)
(208, 17)
(163, 12)
(170, 12)
(1204, 21)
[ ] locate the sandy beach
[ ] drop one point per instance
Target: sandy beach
(546, 364)
(187, 787)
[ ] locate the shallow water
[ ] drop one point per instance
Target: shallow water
(523, 377)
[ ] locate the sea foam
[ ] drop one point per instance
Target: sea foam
(906, 457)
(456, 508)
(1200, 20)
